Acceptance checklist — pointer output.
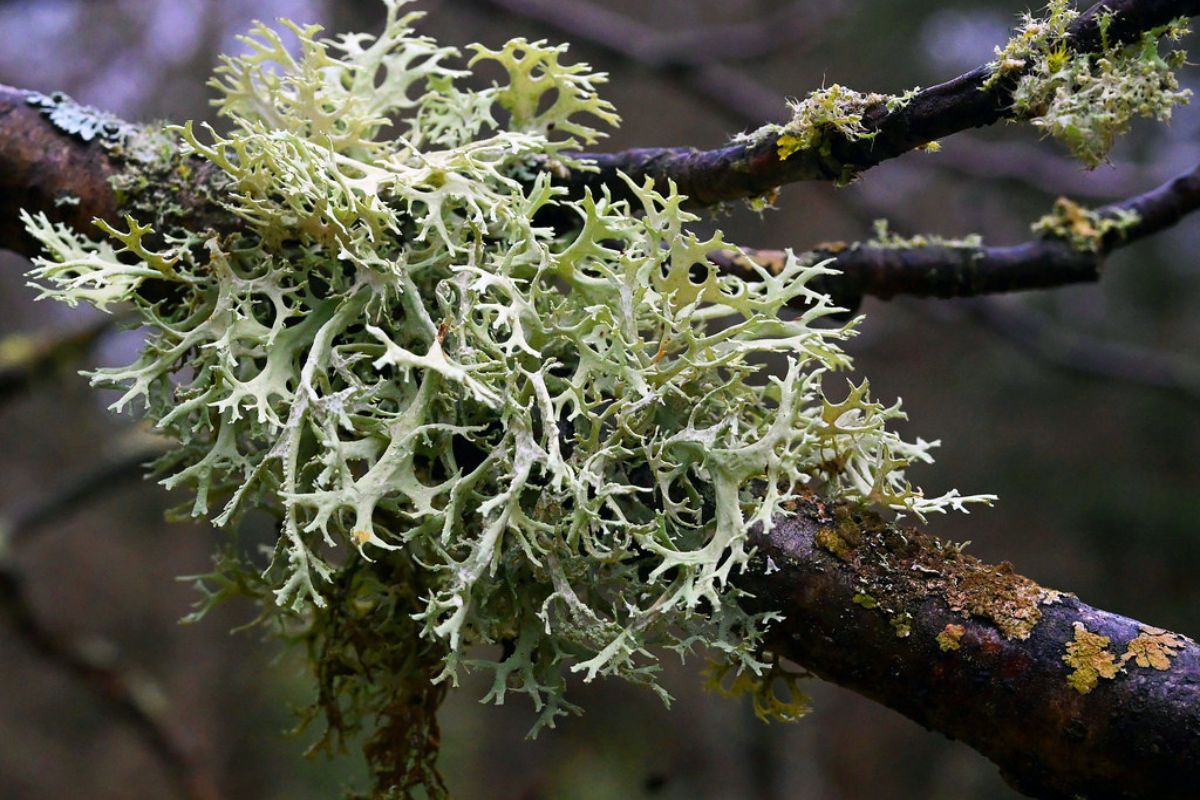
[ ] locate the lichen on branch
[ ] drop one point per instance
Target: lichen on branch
(476, 430)
(1088, 99)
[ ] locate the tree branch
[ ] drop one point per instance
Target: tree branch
(129, 697)
(937, 270)
(40, 168)
(981, 653)
(754, 169)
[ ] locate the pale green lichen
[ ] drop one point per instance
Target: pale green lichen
(1087, 100)
(475, 430)
(887, 239)
(832, 112)
(1085, 229)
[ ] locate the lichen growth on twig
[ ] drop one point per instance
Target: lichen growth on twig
(1088, 100)
(1085, 229)
(1090, 660)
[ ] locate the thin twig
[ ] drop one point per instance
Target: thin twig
(1091, 356)
(130, 698)
(941, 270)
(28, 358)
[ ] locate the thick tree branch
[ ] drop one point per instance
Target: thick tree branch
(981, 654)
(754, 169)
(41, 169)
(967, 271)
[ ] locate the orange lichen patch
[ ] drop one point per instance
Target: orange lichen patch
(1090, 659)
(1153, 647)
(950, 636)
(900, 567)
(833, 248)
(998, 593)
(360, 537)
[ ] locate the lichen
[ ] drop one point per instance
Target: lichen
(776, 694)
(950, 638)
(85, 122)
(898, 568)
(1086, 230)
(887, 239)
(1087, 100)
(1090, 660)
(475, 429)
(1154, 648)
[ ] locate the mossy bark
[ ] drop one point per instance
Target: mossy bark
(983, 655)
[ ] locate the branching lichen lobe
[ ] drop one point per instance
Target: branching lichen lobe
(474, 429)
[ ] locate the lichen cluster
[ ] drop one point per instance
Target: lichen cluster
(492, 445)
(1087, 100)
(1091, 661)
(1086, 229)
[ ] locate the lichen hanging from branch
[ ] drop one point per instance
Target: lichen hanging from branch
(475, 429)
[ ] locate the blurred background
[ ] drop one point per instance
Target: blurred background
(1079, 408)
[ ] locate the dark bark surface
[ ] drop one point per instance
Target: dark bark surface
(1134, 735)
(41, 168)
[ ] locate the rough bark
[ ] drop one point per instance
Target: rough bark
(996, 679)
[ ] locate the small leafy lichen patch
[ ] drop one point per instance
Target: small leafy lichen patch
(996, 592)
(950, 637)
(1090, 660)
(77, 119)
(1085, 229)
(1154, 648)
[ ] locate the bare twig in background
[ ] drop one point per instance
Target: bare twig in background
(129, 464)
(787, 28)
(132, 698)
(27, 358)
(1091, 356)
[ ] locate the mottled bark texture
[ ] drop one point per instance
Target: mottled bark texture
(981, 653)
(754, 169)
